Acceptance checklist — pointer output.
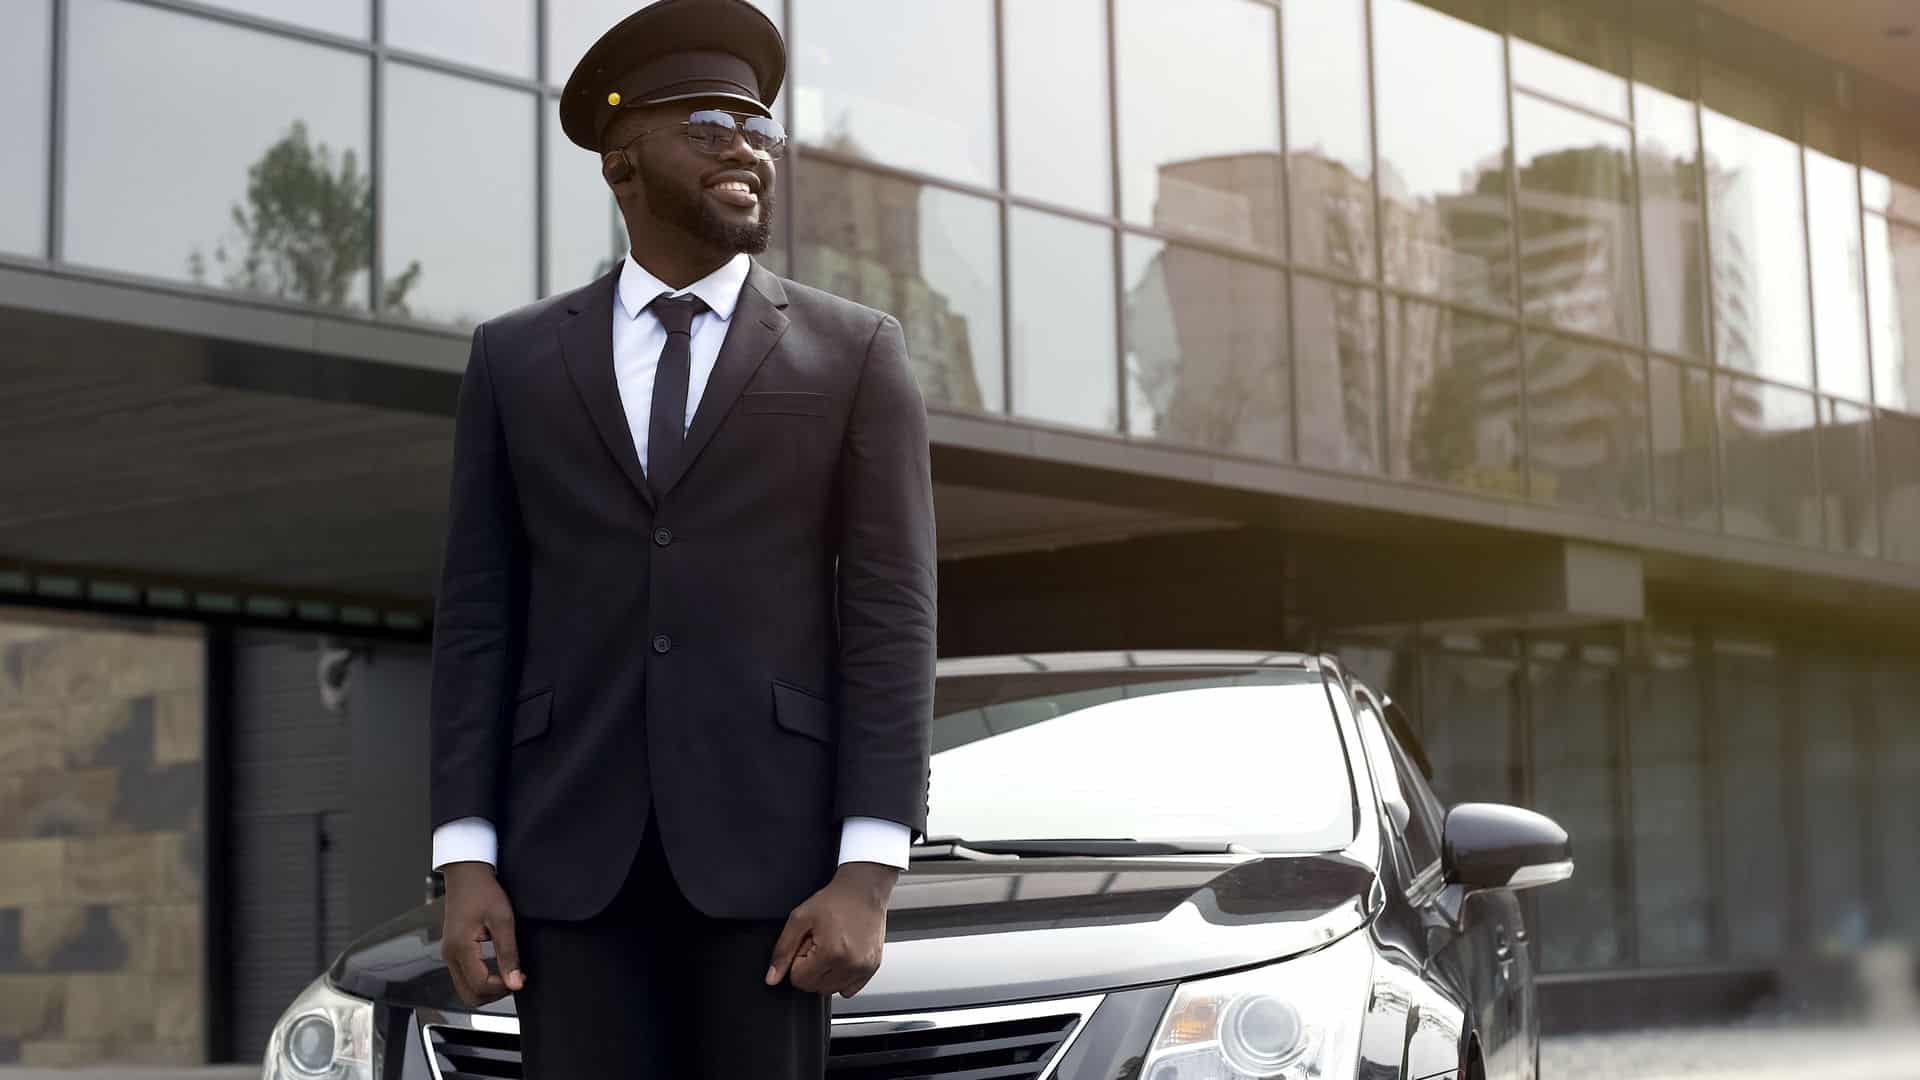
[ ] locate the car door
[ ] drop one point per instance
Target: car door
(1483, 947)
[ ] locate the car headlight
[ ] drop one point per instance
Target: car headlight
(1292, 1020)
(323, 1035)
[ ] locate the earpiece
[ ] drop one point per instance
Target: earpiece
(615, 165)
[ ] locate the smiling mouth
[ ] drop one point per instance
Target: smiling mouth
(735, 193)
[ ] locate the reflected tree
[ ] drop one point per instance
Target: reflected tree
(305, 230)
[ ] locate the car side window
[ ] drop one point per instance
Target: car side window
(1387, 776)
(1429, 816)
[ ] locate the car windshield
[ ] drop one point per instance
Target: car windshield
(1251, 758)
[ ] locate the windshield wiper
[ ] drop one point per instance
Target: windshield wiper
(954, 847)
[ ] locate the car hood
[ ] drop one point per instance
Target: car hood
(973, 933)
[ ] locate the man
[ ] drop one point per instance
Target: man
(683, 648)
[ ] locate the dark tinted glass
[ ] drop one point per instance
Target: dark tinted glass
(1897, 464)
(1453, 386)
(1748, 692)
(1897, 817)
(1207, 350)
(1846, 478)
(1587, 426)
(1418, 834)
(1575, 762)
(1768, 455)
(929, 256)
(1832, 697)
(1336, 357)
(1672, 887)
(1467, 713)
(1683, 472)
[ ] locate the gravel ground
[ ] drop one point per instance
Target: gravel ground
(1738, 1053)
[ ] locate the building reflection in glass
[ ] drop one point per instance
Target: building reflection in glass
(928, 256)
(1587, 426)
(1206, 350)
(1768, 471)
(1683, 474)
(1453, 391)
(1337, 367)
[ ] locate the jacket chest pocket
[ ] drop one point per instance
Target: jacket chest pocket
(783, 403)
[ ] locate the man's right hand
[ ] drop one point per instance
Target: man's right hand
(477, 910)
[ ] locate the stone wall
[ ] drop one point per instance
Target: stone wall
(102, 802)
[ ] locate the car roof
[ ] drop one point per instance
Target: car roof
(1122, 660)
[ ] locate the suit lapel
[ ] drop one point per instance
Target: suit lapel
(756, 326)
(586, 343)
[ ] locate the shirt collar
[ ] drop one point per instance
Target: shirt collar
(720, 289)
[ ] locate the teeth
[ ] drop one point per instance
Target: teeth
(733, 185)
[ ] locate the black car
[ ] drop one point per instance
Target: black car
(1141, 866)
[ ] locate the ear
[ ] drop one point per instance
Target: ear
(616, 166)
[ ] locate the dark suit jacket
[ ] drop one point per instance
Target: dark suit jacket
(750, 653)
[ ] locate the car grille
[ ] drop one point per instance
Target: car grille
(1001, 1042)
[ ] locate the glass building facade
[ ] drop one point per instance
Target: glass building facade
(1583, 256)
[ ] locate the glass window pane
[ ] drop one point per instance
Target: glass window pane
(1759, 249)
(1453, 386)
(502, 40)
(1834, 778)
(1893, 283)
(1747, 695)
(1897, 818)
(1668, 781)
(1670, 220)
(1065, 362)
(1579, 264)
(1574, 765)
(1570, 54)
(1207, 350)
(585, 236)
(574, 25)
(1329, 136)
(1839, 293)
(1682, 415)
(1443, 143)
(264, 192)
(1767, 471)
(351, 18)
(864, 84)
(1587, 426)
(1059, 144)
(1336, 357)
(437, 265)
(1200, 118)
(25, 53)
(1891, 175)
(1846, 478)
(1898, 467)
(928, 256)
(1467, 717)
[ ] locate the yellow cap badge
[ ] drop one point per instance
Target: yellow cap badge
(613, 98)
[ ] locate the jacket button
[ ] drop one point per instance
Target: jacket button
(663, 537)
(662, 643)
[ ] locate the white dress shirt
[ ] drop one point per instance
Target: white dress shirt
(638, 339)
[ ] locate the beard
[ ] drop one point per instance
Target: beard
(672, 202)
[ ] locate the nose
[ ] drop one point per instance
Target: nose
(739, 151)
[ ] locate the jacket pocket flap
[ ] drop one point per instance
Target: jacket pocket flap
(530, 716)
(802, 713)
(791, 402)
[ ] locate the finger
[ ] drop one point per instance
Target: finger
(791, 935)
(506, 949)
(472, 965)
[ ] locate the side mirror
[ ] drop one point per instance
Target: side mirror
(1489, 846)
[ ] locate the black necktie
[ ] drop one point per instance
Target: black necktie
(666, 424)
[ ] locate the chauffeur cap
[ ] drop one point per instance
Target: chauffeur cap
(673, 50)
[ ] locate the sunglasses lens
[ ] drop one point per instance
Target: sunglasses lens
(766, 135)
(713, 132)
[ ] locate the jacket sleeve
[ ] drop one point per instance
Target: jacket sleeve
(886, 592)
(475, 623)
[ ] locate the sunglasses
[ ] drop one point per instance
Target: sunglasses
(712, 132)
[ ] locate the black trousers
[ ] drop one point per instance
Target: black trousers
(653, 989)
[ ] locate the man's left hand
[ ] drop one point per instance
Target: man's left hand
(831, 943)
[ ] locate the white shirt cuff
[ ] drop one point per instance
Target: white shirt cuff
(467, 839)
(875, 840)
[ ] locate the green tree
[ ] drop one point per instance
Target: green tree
(305, 229)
